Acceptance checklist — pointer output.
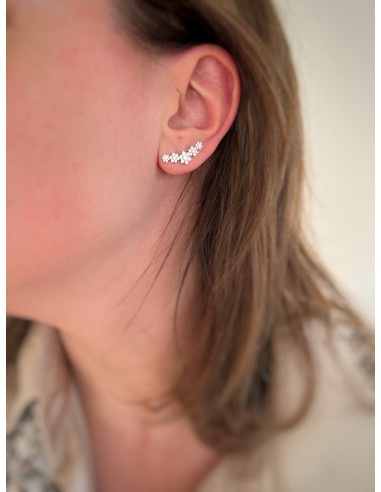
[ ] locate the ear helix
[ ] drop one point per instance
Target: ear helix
(184, 157)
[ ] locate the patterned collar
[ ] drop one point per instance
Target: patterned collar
(47, 442)
(48, 447)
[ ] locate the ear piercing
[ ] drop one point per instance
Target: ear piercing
(184, 157)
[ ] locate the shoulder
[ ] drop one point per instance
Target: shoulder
(332, 448)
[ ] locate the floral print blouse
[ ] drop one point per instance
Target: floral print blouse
(331, 450)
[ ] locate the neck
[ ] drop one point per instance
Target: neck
(116, 326)
(119, 365)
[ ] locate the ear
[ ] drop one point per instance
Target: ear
(201, 108)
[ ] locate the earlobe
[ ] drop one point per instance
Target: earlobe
(208, 91)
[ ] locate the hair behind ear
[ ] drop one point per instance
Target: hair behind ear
(260, 280)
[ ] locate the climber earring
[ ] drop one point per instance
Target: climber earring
(184, 157)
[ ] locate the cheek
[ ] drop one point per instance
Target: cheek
(76, 178)
(41, 197)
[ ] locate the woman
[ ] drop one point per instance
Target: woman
(169, 328)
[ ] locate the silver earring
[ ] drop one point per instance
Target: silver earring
(184, 157)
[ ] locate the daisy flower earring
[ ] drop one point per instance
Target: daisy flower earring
(185, 156)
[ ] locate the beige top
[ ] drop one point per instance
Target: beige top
(331, 450)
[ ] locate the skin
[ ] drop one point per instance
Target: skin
(88, 118)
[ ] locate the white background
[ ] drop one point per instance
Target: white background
(333, 46)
